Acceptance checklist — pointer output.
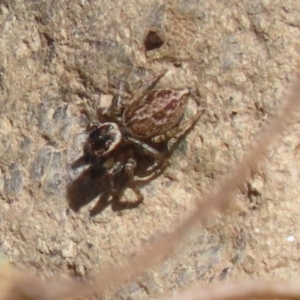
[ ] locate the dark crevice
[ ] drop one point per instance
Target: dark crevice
(153, 41)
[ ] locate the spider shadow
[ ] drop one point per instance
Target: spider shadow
(93, 183)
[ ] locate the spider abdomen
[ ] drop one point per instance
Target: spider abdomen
(155, 113)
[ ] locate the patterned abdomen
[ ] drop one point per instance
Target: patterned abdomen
(155, 113)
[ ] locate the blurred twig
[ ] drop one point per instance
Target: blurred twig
(256, 289)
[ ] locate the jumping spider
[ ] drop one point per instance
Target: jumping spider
(139, 128)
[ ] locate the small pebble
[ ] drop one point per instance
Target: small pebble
(290, 238)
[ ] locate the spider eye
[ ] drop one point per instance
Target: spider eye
(97, 139)
(94, 136)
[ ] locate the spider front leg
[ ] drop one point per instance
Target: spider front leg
(110, 114)
(157, 168)
(129, 169)
(111, 172)
(121, 93)
(148, 86)
(114, 111)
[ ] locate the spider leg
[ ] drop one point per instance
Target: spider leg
(110, 174)
(148, 150)
(156, 170)
(103, 114)
(174, 133)
(108, 114)
(117, 104)
(151, 84)
(129, 169)
(116, 86)
(178, 132)
(157, 167)
(115, 169)
(101, 204)
(119, 93)
(155, 80)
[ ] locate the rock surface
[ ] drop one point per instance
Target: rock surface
(56, 58)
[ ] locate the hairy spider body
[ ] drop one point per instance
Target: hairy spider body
(135, 130)
(155, 113)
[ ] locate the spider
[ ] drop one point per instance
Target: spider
(126, 133)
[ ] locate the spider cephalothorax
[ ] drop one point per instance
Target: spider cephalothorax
(137, 129)
(103, 139)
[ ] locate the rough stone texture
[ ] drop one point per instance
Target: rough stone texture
(55, 58)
